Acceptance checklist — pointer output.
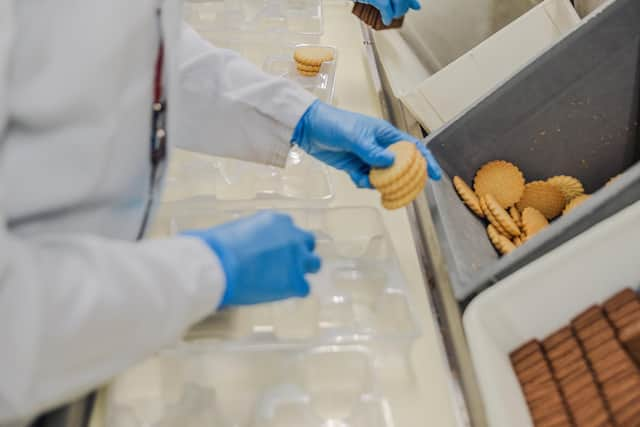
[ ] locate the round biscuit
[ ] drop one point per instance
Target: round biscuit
(544, 197)
(517, 241)
(515, 214)
(533, 221)
(307, 68)
(502, 179)
(418, 182)
(569, 186)
(312, 55)
(492, 220)
(500, 241)
(505, 220)
(406, 180)
(468, 196)
(308, 73)
(402, 202)
(405, 154)
(575, 203)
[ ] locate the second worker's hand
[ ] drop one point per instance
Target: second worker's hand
(353, 142)
(265, 258)
(391, 9)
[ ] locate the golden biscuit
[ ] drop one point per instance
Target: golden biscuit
(505, 220)
(312, 55)
(468, 196)
(575, 203)
(568, 185)
(533, 221)
(402, 193)
(515, 214)
(492, 219)
(307, 73)
(392, 204)
(544, 197)
(406, 180)
(517, 241)
(405, 154)
(502, 179)
(499, 241)
(308, 68)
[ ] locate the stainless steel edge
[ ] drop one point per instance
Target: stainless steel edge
(465, 394)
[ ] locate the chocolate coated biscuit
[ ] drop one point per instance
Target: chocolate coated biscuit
(619, 300)
(587, 317)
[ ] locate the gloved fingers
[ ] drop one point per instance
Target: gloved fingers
(415, 4)
(400, 8)
(387, 135)
(373, 154)
(386, 9)
(433, 168)
(301, 288)
(308, 239)
(359, 174)
(312, 263)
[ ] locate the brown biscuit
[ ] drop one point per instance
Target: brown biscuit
(535, 374)
(502, 179)
(621, 369)
(598, 339)
(595, 408)
(592, 329)
(559, 419)
(575, 383)
(552, 402)
(600, 419)
(557, 338)
(619, 299)
(628, 416)
(582, 397)
(604, 350)
(579, 367)
(617, 403)
(562, 349)
(536, 392)
(530, 361)
(629, 336)
(587, 317)
(627, 309)
(544, 197)
(614, 388)
(627, 320)
(567, 359)
(524, 350)
(617, 357)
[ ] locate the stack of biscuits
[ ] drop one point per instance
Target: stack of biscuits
(371, 16)
(309, 59)
(516, 210)
(401, 183)
(585, 374)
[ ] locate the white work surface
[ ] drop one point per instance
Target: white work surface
(431, 406)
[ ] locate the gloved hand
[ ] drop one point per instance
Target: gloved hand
(390, 9)
(352, 142)
(265, 258)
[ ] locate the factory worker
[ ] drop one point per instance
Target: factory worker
(92, 94)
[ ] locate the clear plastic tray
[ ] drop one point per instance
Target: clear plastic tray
(196, 385)
(236, 183)
(321, 85)
(257, 29)
(543, 297)
(359, 294)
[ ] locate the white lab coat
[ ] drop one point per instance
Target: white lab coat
(80, 300)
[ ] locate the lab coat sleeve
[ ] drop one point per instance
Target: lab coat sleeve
(77, 309)
(230, 108)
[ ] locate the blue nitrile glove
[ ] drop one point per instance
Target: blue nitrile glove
(352, 142)
(390, 9)
(265, 258)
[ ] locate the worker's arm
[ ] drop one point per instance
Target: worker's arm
(228, 107)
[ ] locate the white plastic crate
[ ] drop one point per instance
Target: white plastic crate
(543, 297)
(358, 296)
(235, 183)
(197, 385)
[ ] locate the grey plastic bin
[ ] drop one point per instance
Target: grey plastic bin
(574, 111)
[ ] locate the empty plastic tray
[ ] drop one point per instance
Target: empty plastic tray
(197, 385)
(540, 299)
(235, 183)
(573, 111)
(321, 85)
(359, 294)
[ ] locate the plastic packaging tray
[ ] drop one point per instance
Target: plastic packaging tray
(257, 29)
(236, 183)
(321, 85)
(573, 111)
(196, 385)
(540, 299)
(359, 294)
